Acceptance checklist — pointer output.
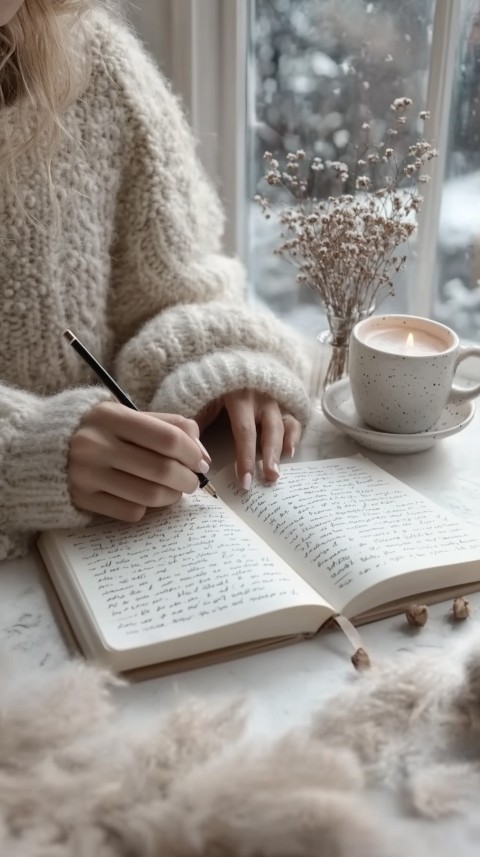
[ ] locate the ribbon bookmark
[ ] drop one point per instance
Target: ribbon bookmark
(360, 658)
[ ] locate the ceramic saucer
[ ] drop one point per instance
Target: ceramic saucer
(339, 409)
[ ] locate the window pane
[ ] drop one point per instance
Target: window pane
(318, 70)
(458, 287)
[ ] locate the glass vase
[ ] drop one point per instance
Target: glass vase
(330, 361)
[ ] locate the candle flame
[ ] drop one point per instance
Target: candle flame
(410, 340)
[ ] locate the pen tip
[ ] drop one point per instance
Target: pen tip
(68, 335)
(209, 489)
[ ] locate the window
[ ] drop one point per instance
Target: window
(283, 74)
(318, 71)
(320, 68)
(457, 299)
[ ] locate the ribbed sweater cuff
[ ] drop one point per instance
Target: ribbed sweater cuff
(33, 459)
(194, 385)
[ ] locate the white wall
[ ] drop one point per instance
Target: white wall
(152, 19)
(200, 45)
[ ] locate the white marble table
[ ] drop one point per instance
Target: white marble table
(286, 684)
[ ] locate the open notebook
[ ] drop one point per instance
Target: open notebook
(193, 582)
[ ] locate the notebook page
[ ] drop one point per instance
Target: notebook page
(346, 525)
(180, 571)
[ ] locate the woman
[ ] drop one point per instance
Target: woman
(109, 227)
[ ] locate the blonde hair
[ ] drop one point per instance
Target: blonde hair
(43, 68)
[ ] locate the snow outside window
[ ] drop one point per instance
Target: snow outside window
(317, 70)
(287, 74)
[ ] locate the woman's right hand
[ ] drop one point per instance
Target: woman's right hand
(122, 461)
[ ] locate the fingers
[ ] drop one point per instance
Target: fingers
(190, 427)
(121, 462)
(147, 431)
(125, 496)
(136, 475)
(241, 410)
(140, 492)
(106, 504)
(271, 439)
(292, 434)
(151, 467)
(278, 434)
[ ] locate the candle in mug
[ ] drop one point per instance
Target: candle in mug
(397, 340)
(402, 370)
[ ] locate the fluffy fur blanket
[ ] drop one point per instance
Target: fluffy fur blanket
(75, 781)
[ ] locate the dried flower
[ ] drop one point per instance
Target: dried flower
(417, 615)
(362, 182)
(401, 104)
(345, 245)
(361, 660)
(461, 609)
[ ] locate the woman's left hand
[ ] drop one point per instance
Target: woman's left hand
(253, 413)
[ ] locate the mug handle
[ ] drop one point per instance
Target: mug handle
(463, 394)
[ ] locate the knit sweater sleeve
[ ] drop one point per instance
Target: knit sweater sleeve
(34, 437)
(178, 309)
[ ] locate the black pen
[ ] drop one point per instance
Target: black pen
(120, 395)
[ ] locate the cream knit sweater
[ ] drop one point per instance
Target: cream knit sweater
(135, 271)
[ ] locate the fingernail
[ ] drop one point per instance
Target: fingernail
(205, 453)
(292, 452)
(274, 466)
(246, 481)
(203, 467)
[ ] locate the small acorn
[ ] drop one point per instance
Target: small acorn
(417, 615)
(361, 660)
(461, 609)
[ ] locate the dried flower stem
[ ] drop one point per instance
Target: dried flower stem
(345, 246)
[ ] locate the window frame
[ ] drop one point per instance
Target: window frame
(209, 72)
(441, 73)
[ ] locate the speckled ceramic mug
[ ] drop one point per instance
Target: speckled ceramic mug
(401, 383)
